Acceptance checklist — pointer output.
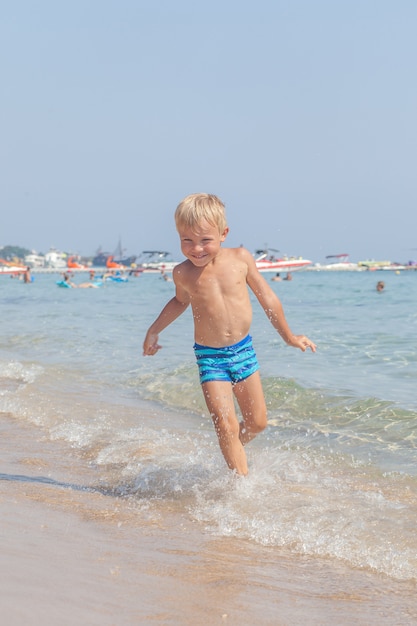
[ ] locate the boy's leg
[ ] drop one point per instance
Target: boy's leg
(250, 397)
(220, 403)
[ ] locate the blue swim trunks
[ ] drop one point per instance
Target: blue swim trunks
(231, 363)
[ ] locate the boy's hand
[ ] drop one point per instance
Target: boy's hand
(151, 345)
(302, 342)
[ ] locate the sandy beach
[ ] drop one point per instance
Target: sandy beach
(77, 556)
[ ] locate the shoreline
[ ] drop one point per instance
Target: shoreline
(75, 555)
(157, 272)
(70, 560)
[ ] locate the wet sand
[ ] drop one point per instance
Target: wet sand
(71, 556)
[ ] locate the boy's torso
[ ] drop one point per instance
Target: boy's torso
(219, 298)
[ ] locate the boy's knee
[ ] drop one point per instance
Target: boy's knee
(227, 429)
(260, 422)
(251, 427)
(260, 426)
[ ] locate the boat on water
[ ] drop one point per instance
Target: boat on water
(118, 257)
(74, 264)
(267, 261)
(8, 267)
(337, 262)
(100, 260)
(114, 265)
(155, 261)
(374, 266)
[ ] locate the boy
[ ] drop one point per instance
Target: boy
(214, 281)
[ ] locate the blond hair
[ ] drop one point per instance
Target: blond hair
(198, 207)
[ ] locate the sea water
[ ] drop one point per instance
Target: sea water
(334, 475)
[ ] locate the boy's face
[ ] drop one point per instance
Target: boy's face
(201, 244)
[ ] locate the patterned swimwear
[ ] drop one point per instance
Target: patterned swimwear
(231, 363)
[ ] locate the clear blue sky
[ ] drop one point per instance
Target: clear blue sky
(300, 114)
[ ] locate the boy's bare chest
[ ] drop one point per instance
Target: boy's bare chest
(224, 283)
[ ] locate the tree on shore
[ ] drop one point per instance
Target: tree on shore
(13, 253)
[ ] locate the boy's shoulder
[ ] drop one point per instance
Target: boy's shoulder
(238, 250)
(235, 255)
(240, 253)
(182, 266)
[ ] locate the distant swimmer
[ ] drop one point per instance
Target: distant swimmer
(165, 276)
(66, 282)
(87, 285)
(380, 286)
(27, 278)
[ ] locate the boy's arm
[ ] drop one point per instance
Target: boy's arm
(173, 309)
(169, 313)
(272, 306)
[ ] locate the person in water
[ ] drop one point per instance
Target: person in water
(214, 281)
(69, 282)
(27, 277)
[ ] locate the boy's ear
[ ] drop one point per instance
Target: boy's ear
(224, 234)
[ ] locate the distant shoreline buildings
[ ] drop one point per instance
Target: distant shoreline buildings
(56, 260)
